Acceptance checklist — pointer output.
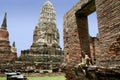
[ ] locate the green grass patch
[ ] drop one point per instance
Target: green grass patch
(42, 78)
(47, 78)
(2, 78)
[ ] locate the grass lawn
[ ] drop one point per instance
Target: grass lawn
(42, 78)
(2, 78)
(47, 78)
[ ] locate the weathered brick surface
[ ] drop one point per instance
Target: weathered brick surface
(72, 42)
(108, 13)
(76, 29)
(76, 37)
(4, 35)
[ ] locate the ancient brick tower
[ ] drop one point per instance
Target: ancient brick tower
(6, 55)
(46, 32)
(45, 52)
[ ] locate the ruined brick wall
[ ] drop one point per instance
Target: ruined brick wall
(108, 14)
(76, 37)
(72, 47)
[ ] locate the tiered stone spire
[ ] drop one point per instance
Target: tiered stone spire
(4, 34)
(46, 31)
(4, 24)
(6, 55)
(47, 14)
(13, 48)
(45, 41)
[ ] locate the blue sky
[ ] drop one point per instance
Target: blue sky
(23, 15)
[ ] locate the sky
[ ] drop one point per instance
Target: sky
(23, 15)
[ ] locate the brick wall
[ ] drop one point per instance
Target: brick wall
(76, 28)
(76, 37)
(75, 34)
(108, 14)
(71, 37)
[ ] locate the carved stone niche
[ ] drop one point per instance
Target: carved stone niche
(115, 46)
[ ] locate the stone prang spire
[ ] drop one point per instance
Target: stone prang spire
(45, 47)
(13, 48)
(13, 45)
(46, 32)
(4, 24)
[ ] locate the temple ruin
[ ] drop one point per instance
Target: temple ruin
(77, 38)
(7, 53)
(45, 52)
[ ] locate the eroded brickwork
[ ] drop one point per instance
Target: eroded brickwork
(108, 14)
(76, 37)
(72, 47)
